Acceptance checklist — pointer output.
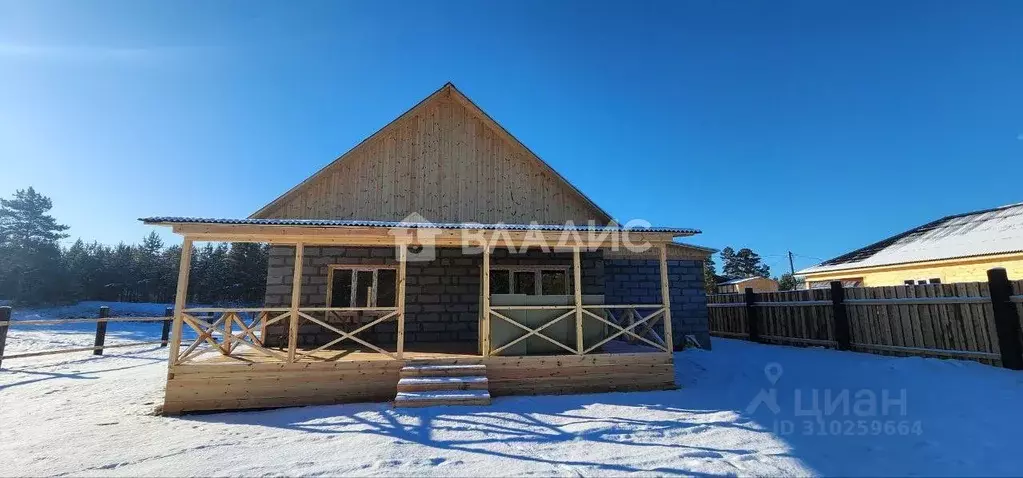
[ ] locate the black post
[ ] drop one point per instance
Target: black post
(1006, 319)
(5, 315)
(842, 335)
(101, 329)
(752, 317)
(168, 312)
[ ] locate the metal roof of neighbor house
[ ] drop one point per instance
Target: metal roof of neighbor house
(978, 233)
(739, 281)
(409, 225)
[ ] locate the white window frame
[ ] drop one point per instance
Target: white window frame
(372, 296)
(537, 270)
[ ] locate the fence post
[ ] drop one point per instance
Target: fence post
(101, 330)
(5, 315)
(165, 333)
(842, 335)
(1006, 319)
(752, 317)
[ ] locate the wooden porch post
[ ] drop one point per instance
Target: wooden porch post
(666, 299)
(578, 287)
(485, 292)
(402, 257)
(296, 299)
(179, 301)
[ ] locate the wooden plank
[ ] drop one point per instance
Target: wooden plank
(963, 316)
(666, 300)
(948, 316)
(987, 312)
(296, 300)
(180, 298)
(485, 305)
(577, 287)
(402, 259)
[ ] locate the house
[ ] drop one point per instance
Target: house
(439, 261)
(957, 248)
(739, 286)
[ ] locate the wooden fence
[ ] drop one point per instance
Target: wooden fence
(978, 320)
(99, 344)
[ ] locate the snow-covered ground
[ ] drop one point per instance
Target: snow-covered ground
(743, 409)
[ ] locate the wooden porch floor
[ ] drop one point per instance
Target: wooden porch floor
(426, 351)
(439, 350)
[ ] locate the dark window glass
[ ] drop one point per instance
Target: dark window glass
(908, 282)
(554, 282)
(363, 286)
(387, 285)
(341, 288)
(525, 282)
(934, 281)
(500, 281)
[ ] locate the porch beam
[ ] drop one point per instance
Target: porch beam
(485, 294)
(578, 287)
(365, 236)
(402, 258)
(180, 299)
(666, 298)
(296, 299)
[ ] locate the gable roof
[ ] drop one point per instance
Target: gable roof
(978, 233)
(451, 91)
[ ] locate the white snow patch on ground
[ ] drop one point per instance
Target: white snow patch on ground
(85, 415)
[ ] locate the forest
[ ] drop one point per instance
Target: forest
(36, 268)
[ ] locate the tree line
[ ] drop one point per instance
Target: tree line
(739, 265)
(36, 269)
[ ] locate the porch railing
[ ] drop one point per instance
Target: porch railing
(242, 333)
(632, 322)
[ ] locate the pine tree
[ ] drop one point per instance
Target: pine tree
(31, 270)
(742, 264)
(788, 282)
(709, 275)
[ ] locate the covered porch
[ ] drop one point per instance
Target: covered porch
(349, 339)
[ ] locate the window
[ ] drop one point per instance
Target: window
(361, 287)
(933, 280)
(536, 280)
(554, 282)
(500, 281)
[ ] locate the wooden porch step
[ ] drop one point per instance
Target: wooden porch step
(426, 384)
(428, 370)
(446, 397)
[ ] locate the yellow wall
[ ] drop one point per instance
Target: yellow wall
(759, 284)
(952, 270)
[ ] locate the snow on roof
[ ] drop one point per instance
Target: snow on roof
(991, 231)
(409, 225)
(739, 281)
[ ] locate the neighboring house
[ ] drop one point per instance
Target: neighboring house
(959, 248)
(375, 248)
(758, 284)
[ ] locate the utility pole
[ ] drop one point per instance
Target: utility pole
(792, 268)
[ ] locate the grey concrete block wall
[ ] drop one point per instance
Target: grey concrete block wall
(441, 295)
(638, 281)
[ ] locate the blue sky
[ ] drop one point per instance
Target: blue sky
(816, 127)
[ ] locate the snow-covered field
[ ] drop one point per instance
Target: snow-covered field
(743, 409)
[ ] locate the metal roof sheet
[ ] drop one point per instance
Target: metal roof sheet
(739, 281)
(991, 231)
(410, 225)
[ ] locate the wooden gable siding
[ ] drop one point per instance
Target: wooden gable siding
(445, 162)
